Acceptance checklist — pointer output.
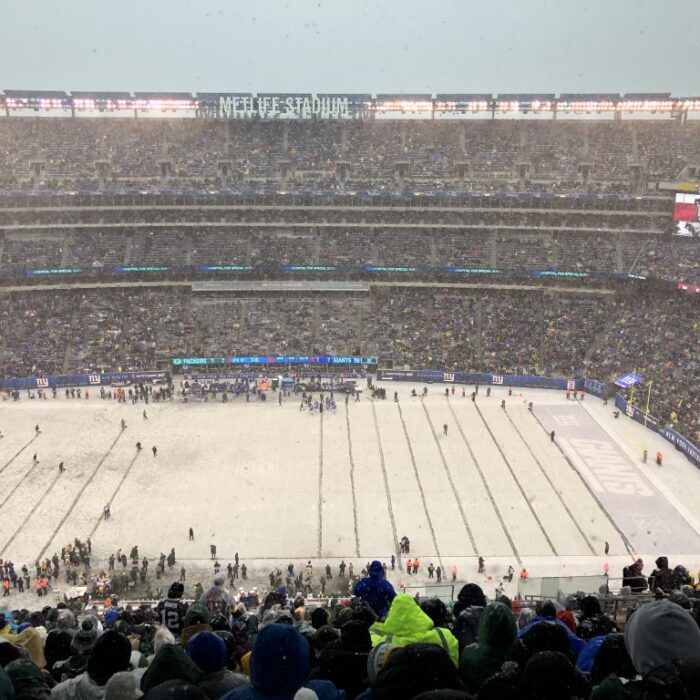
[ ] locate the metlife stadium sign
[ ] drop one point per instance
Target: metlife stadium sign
(284, 107)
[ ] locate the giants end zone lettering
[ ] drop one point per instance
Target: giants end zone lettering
(496, 379)
(42, 382)
(448, 377)
(94, 379)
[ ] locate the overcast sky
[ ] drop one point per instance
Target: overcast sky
(352, 45)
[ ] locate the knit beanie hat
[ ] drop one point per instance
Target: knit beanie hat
(197, 614)
(85, 640)
(111, 654)
(208, 651)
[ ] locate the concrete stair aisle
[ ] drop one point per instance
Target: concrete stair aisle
(127, 251)
(189, 250)
(317, 341)
(317, 245)
(66, 251)
(68, 354)
(493, 249)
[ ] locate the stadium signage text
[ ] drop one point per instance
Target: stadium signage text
(276, 360)
(241, 107)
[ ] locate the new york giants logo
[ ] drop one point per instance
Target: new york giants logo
(448, 377)
(42, 382)
(94, 378)
(496, 379)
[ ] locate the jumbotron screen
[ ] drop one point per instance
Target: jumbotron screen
(686, 214)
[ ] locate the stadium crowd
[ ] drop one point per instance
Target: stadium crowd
(286, 643)
(372, 643)
(563, 334)
(506, 155)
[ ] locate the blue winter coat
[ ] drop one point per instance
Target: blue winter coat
(375, 590)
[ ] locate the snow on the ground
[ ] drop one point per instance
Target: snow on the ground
(278, 485)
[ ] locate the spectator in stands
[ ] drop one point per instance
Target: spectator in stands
(406, 623)
(548, 613)
(664, 644)
(468, 609)
(592, 622)
(497, 632)
(344, 661)
(662, 578)
(376, 590)
(110, 655)
(414, 669)
(633, 577)
(279, 666)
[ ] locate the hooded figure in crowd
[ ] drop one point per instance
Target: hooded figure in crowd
(406, 624)
(468, 609)
(279, 665)
(110, 655)
(662, 577)
(170, 663)
(497, 632)
(663, 641)
(376, 590)
(216, 598)
(593, 623)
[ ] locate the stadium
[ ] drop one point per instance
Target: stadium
(290, 328)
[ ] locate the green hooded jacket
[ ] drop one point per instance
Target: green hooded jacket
(497, 632)
(406, 624)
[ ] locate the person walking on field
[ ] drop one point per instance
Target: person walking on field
(444, 429)
(154, 449)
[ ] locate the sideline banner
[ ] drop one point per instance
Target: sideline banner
(676, 439)
(64, 380)
(431, 376)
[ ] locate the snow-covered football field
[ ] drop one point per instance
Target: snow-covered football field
(276, 484)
